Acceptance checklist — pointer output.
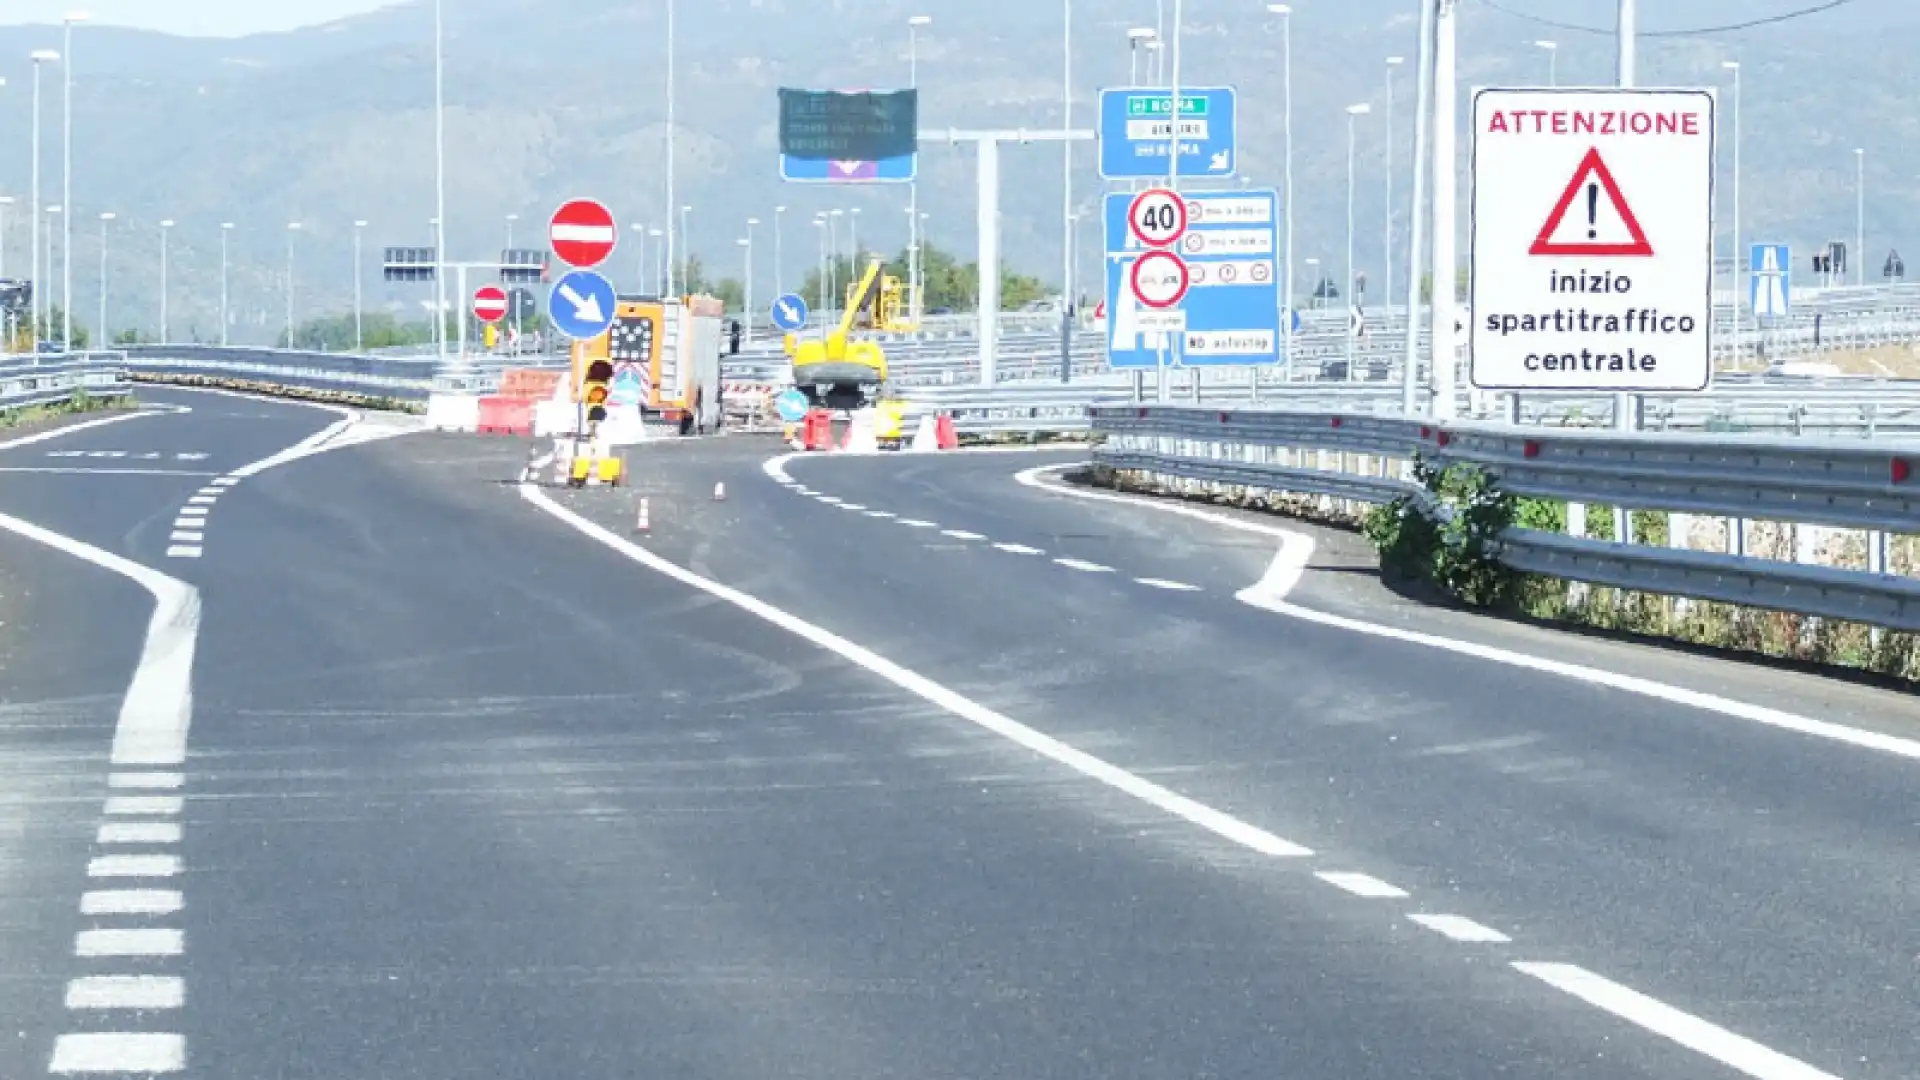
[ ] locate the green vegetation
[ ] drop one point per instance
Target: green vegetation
(949, 282)
(79, 402)
(349, 398)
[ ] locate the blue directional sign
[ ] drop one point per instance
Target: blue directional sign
(893, 170)
(1770, 281)
(1232, 306)
(790, 312)
(1136, 130)
(581, 305)
(629, 387)
(791, 405)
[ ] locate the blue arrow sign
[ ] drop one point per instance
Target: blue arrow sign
(1136, 132)
(627, 388)
(893, 170)
(581, 305)
(791, 405)
(790, 312)
(1232, 306)
(1770, 280)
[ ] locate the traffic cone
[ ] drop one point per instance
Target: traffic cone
(719, 492)
(642, 525)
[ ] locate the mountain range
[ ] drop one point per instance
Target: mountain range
(331, 124)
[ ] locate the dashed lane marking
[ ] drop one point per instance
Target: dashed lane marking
(1162, 583)
(856, 507)
(880, 513)
(1461, 928)
(144, 942)
(103, 866)
(1083, 566)
(1019, 549)
(916, 523)
(184, 551)
(127, 992)
(194, 511)
(144, 805)
(157, 780)
(201, 500)
(961, 534)
(119, 1052)
(131, 902)
(226, 481)
(1362, 885)
(187, 536)
(138, 832)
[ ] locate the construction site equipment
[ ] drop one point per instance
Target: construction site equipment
(838, 372)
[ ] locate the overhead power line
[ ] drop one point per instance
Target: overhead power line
(1768, 20)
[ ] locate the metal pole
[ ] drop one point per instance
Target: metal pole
(291, 229)
(1445, 162)
(461, 331)
(33, 223)
(989, 257)
(66, 194)
(1419, 211)
(779, 288)
(105, 338)
(1162, 392)
(165, 228)
(913, 189)
(1386, 260)
(1353, 115)
(746, 302)
(1860, 217)
(1741, 304)
(1066, 195)
(1289, 290)
(359, 330)
(1623, 404)
(672, 204)
(225, 227)
(439, 195)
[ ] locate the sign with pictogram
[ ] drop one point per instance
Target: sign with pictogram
(490, 303)
(582, 233)
(1159, 279)
(1591, 250)
(1157, 217)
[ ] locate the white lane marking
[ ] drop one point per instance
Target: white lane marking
(829, 499)
(131, 902)
(106, 453)
(851, 506)
(119, 1052)
(152, 728)
(226, 481)
(1735, 1051)
(84, 425)
(183, 551)
(1365, 885)
(880, 514)
(188, 536)
(916, 523)
(1461, 928)
(1084, 565)
(189, 523)
(212, 490)
(1163, 583)
(776, 466)
(194, 511)
(133, 866)
(961, 534)
(144, 805)
(1177, 805)
(156, 780)
(306, 447)
(190, 455)
(71, 471)
(202, 500)
(127, 992)
(96, 943)
(1019, 549)
(138, 832)
(1296, 550)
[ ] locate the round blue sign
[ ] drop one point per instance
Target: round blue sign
(791, 405)
(789, 312)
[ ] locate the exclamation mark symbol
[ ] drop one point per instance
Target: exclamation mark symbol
(1593, 210)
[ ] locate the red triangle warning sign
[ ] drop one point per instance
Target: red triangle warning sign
(1598, 226)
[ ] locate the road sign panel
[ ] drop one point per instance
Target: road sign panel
(1591, 247)
(490, 303)
(629, 385)
(791, 404)
(1230, 314)
(1157, 217)
(1770, 280)
(581, 305)
(893, 170)
(582, 233)
(1136, 132)
(1159, 279)
(790, 312)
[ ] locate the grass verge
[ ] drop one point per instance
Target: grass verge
(350, 398)
(80, 402)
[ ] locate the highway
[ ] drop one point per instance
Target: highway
(908, 765)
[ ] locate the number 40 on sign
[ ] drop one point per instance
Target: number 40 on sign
(1158, 217)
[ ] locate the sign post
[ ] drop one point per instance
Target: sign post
(1591, 251)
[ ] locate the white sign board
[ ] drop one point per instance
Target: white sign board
(1592, 240)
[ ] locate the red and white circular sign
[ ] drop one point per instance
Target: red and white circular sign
(582, 233)
(1160, 279)
(490, 303)
(1157, 217)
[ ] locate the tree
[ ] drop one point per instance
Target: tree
(379, 330)
(1459, 286)
(52, 325)
(732, 294)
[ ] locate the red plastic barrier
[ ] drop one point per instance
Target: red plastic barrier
(944, 435)
(817, 430)
(530, 384)
(505, 416)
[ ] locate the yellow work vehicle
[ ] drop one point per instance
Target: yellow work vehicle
(835, 372)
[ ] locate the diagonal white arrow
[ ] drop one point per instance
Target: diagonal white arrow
(786, 312)
(585, 308)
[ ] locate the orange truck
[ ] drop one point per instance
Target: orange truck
(675, 347)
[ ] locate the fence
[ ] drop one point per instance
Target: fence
(25, 383)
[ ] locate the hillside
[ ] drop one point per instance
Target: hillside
(334, 123)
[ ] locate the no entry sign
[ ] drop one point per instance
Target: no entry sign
(582, 233)
(490, 303)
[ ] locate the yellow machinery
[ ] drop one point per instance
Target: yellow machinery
(891, 310)
(835, 372)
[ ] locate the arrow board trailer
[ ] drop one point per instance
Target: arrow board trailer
(1591, 251)
(1224, 310)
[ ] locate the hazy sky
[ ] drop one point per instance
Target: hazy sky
(213, 18)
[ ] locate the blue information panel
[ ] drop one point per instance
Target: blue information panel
(893, 170)
(581, 305)
(1770, 281)
(1136, 130)
(1232, 305)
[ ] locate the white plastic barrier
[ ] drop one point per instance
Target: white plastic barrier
(453, 412)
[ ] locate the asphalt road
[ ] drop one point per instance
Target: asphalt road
(470, 794)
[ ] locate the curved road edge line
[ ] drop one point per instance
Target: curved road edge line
(84, 425)
(1296, 548)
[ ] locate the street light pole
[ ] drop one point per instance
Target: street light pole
(66, 181)
(672, 246)
(1066, 192)
(105, 337)
(292, 228)
(1386, 270)
(165, 228)
(1860, 216)
(1552, 49)
(778, 288)
(1740, 298)
(1354, 112)
(225, 228)
(359, 328)
(746, 301)
(913, 190)
(40, 58)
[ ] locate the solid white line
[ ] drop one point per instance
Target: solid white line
(1734, 1051)
(68, 471)
(961, 534)
(152, 728)
(92, 943)
(84, 425)
(1296, 550)
(131, 902)
(1019, 549)
(1170, 586)
(127, 992)
(119, 1052)
(1362, 885)
(138, 832)
(202, 500)
(226, 481)
(1461, 928)
(1082, 564)
(157, 780)
(183, 551)
(916, 523)
(144, 805)
(133, 866)
(880, 513)
(1206, 817)
(188, 536)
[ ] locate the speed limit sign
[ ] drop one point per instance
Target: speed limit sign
(1157, 217)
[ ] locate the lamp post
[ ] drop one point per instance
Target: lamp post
(778, 288)
(913, 190)
(672, 248)
(659, 259)
(66, 178)
(1354, 112)
(1552, 49)
(226, 227)
(359, 275)
(105, 337)
(1386, 272)
(1740, 299)
(746, 301)
(166, 227)
(439, 198)
(40, 58)
(1860, 216)
(293, 227)
(1288, 291)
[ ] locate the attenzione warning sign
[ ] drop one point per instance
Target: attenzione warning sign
(1591, 245)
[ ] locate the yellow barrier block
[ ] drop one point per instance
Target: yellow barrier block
(609, 470)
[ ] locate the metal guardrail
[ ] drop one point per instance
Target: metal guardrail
(26, 381)
(1850, 485)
